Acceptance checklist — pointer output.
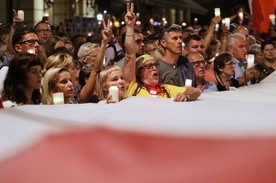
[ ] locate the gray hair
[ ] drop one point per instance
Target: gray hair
(165, 31)
(232, 38)
(86, 48)
(254, 49)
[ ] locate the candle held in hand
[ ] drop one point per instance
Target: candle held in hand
(217, 12)
(227, 22)
(272, 19)
(58, 98)
(20, 14)
(250, 60)
(114, 92)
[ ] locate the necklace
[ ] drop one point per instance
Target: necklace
(169, 63)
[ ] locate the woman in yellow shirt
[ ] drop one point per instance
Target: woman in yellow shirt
(141, 75)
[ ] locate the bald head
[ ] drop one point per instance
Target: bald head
(198, 62)
(194, 57)
(242, 30)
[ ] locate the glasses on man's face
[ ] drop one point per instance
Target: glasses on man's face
(139, 41)
(150, 66)
(92, 55)
(197, 63)
(230, 64)
(32, 42)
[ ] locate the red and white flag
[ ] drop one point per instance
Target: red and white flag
(261, 10)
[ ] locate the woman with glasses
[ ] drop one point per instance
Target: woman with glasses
(141, 74)
(224, 69)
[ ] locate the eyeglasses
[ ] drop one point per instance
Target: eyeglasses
(31, 42)
(150, 66)
(197, 63)
(91, 55)
(44, 30)
(139, 41)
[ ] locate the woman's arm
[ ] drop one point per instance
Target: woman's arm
(15, 22)
(209, 35)
(87, 90)
(129, 69)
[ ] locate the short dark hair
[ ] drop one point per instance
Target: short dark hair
(195, 37)
(16, 78)
(220, 61)
(266, 42)
(19, 33)
(42, 22)
(166, 30)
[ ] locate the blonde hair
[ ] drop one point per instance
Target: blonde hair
(58, 60)
(49, 82)
(102, 80)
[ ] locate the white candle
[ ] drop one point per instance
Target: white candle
(272, 19)
(188, 82)
(250, 60)
(227, 22)
(241, 15)
(20, 14)
(58, 98)
(217, 27)
(114, 92)
(217, 12)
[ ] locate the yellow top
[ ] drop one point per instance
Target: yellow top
(171, 89)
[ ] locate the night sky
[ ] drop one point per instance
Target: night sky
(226, 7)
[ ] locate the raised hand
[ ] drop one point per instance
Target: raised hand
(216, 20)
(15, 19)
(130, 17)
(106, 32)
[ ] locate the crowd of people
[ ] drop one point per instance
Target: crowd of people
(171, 62)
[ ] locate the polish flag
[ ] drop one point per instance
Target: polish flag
(261, 10)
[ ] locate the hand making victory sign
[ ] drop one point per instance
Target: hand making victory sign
(88, 89)
(130, 53)
(106, 32)
(106, 37)
(130, 15)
